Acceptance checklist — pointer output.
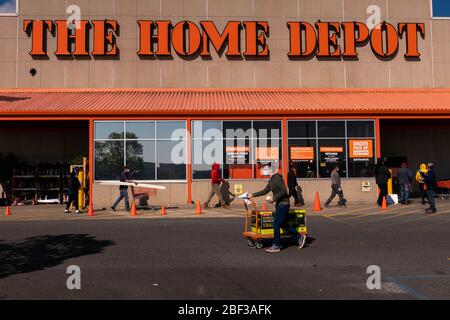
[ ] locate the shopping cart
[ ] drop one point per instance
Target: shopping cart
(142, 195)
(259, 225)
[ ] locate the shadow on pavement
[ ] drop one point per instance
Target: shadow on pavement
(38, 253)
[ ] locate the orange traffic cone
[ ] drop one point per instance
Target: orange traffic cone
(198, 208)
(384, 205)
(8, 211)
(317, 206)
(264, 207)
(133, 209)
(91, 211)
(163, 211)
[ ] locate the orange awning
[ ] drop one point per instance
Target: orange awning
(214, 102)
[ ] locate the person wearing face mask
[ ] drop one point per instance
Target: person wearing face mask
(280, 197)
(336, 188)
(124, 177)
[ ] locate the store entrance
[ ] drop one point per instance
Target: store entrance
(417, 141)
(36, 157)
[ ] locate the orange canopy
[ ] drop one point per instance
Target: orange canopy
(214, 102)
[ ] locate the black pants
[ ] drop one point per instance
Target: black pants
(73, 198)
(336, 190)
(383, 193)
(294, 193)
(423, 193)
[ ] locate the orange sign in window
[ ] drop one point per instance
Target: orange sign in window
(267, 153)
(361, 148)
(302, 153)
(331, 149)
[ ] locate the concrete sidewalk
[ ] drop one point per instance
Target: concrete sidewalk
(56, 212)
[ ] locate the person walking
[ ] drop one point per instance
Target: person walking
(216, 180)
(294, 189)
(404, 176)
(421, 182)
(336, 188)
(382, 176)
(280, 197)
(431, 182)
(73, 187)
(123, 190)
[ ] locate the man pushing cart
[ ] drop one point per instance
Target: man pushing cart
(280, 197)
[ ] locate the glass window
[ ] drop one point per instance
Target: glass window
(141, 158)
(267, 129)
(238, 159)
(441, 8)
(267, 151)
(361, 159)
(8, 7)
(302, 129)
(360, 129)
(108, 159)
(332, 152)
(331, 129)
(171, 130)
(171, 161)
(204, 154)
(206, 129)
(303, 153)
(108, 130)
(140, 130)
(237, 129)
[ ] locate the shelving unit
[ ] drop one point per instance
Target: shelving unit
(43, 183)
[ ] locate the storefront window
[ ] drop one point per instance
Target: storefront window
(140, 130)
(152, 150)
(360, 129)
(108, 159)
(140, 156)
(8, 7)
(303, 153)
(332, 152)
(302, 129)
(441, 8)
(331, 129)
(240, 147)
(351, 144)
(109, 130)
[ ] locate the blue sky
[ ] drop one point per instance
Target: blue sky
(441, 8)
(7, 6)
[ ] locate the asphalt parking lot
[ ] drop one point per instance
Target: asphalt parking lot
(188, 256)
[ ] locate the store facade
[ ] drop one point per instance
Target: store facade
(239, 83)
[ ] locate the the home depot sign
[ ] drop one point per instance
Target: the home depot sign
(162, 38)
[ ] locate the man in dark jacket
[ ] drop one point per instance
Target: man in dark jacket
(404, 176)
(280, 197)
(216, 180)
(294, 189)
(336, 188)
(382, 176)
(123, 190)
(430, 180)
(73, 186)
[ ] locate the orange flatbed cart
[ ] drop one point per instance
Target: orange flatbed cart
(255, 239)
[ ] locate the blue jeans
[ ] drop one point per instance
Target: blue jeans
(281, 215)
(404, 193)
(123, 195)
(431, 195)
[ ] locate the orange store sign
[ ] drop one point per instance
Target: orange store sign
(361, 148)
(302, 153)
(162, 38)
